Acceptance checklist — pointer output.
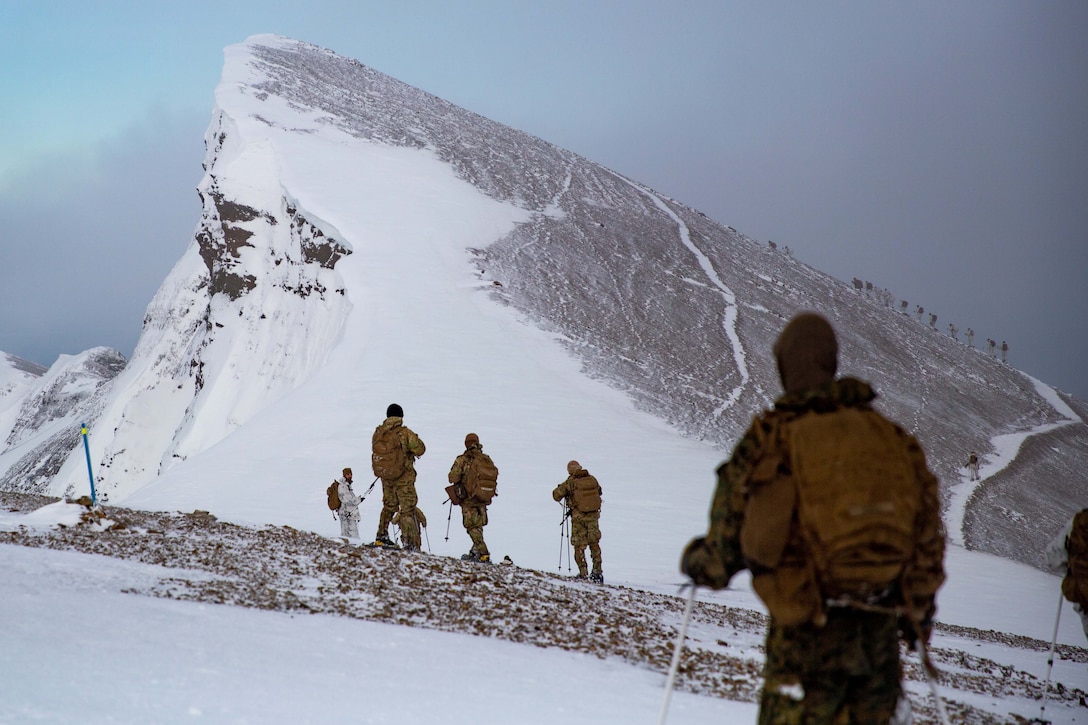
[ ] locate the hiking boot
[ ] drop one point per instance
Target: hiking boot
(597, 577)
(485, 558)
(470, 556)
(385, 541)
(581, 576)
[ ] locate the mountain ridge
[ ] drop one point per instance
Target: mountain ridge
(646, 295)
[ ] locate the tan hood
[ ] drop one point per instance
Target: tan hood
(807, 353)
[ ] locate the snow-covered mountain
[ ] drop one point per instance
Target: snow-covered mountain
(42, 411)
(363, 242)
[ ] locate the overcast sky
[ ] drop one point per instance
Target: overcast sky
(937, 149)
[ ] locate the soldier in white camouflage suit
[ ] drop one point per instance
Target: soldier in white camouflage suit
(348, 512)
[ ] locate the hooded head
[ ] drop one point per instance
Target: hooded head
(472, 440)
(573, 467)
(807, 353)
(394, 411)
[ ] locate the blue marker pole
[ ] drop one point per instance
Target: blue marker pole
(90, 473)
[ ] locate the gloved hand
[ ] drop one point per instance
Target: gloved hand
(702, 564)
(910, 632)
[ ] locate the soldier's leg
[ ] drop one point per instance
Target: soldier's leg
(593, 536)
(474, 519)
(876, 684)
(349, 527)
(579, 541)
(389, 507)
(847, 671)
(406, 513)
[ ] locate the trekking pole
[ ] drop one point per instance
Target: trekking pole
(367, 492)
(675, 666)
(448, 518)
(562, 523)
(931, 677)
(570, 545)
(428, 537)
(1050, 658)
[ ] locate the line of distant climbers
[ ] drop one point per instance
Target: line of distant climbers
(888, 298)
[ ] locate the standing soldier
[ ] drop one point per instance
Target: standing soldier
(952, 331)
(348, 512)
(970, 337)
(972, 466)
(992, 345)
(394, 449)
(582, 495)
(797, 504)
(475, 479)
(1004, 351)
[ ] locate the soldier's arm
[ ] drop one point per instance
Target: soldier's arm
(727, 506)
(926, 573)
(561, 490)
(414, 443)
(457, 469)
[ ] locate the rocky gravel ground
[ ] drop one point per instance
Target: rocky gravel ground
(284, 569)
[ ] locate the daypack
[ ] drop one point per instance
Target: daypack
(481, 478)
(333, 492)
(857, 499)
(388, 458)
(585, 494)
(1075, 583)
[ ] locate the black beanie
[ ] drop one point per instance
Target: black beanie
(394, 411)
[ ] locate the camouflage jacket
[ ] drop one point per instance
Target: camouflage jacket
(761, 447)
(565, 492)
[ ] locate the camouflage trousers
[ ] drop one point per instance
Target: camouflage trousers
(845, 673)
(474, 517)
(585, 530)
(399, 499)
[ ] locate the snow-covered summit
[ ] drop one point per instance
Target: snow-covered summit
(363, 242)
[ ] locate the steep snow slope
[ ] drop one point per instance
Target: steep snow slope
(356, 236)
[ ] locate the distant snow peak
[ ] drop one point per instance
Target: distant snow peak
(46, 428)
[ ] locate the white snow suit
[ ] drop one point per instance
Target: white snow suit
(349, 510)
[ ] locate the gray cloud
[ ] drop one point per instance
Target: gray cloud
(88, 240)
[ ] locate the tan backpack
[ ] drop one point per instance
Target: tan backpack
(857, 499)
(585, 494)
(481, 478)
(388, 459)
(333, 494)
